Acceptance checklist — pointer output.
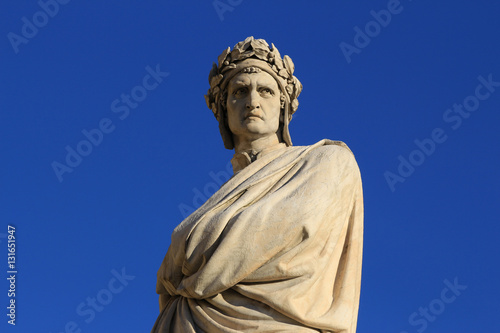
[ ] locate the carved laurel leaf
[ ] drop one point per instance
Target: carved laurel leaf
(279, 63)
(235, 54)
(263, 42)
(290, 67)
(223, 56)
(298, 86)
(261, 54)
(214, 111)
(283, 73)
(246, 43)
(207, 100)
(216, 80)
(277, 57)
(213, 72)
(228, 67)
(275, 51)
(247, 54)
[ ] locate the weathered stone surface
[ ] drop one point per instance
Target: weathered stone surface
(278, 247)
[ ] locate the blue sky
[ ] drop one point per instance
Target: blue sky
(413, 87)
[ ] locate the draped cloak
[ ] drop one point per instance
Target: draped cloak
(277, 248)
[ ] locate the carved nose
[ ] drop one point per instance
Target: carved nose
(253, 101)
(251, 106)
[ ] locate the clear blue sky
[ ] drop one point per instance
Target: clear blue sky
(415, 95)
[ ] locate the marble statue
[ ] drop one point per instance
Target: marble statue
(278, 248)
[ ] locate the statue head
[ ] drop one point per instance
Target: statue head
(253, 56)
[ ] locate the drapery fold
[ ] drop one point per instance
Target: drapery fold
(277, 248)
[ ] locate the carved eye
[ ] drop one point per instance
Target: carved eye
(239, 91)
(266, 91)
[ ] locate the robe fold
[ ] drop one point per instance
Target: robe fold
(277, 248)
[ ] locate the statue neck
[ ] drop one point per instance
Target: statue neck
(255, 145)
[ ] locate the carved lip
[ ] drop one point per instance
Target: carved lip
(253, 115)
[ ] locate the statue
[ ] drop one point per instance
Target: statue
(278, 247)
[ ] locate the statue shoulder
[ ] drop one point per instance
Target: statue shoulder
(335, 153)
(330, 147)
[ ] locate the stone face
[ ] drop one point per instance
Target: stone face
(253, 108)
(279, 246)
